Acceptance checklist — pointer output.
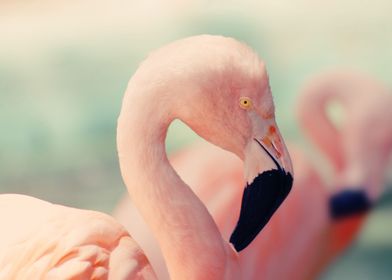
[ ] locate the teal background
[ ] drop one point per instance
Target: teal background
(64, 66)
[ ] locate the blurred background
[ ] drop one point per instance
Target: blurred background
(64, 66)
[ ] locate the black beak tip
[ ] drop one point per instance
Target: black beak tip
(259, 202)
(349, 202)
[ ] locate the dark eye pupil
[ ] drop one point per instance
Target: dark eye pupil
(245, 102)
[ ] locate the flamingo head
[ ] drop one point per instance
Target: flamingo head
(228, 102)
(359, 144)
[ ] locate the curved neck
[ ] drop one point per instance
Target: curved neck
(188, 237)
(312, 114)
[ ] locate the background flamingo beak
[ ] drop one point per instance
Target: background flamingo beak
(349, 202)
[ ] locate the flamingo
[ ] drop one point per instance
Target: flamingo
(328, 224)
(359, 148)
(219, 87)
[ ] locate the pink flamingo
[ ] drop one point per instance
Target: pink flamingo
(333, 222)
(359, 148)
(220, 88)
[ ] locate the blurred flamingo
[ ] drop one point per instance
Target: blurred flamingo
(358, 148)
(220, 88)
(319, 219)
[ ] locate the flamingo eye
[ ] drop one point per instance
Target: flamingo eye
(245, 103)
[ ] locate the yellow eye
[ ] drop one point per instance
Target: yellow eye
(245, 103)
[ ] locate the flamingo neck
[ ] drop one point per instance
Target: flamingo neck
(188, 237)
(312, 115)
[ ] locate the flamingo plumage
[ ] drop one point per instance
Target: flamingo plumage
(41, 240)
(219, 87)
(314, 201)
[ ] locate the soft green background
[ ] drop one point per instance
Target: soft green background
(64, 66)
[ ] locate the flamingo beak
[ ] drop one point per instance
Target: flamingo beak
(348, 203)
(269, 176)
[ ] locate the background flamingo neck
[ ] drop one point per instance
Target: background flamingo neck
(313, 118)
(188, 237)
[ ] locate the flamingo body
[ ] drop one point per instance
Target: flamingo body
(47, 241)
